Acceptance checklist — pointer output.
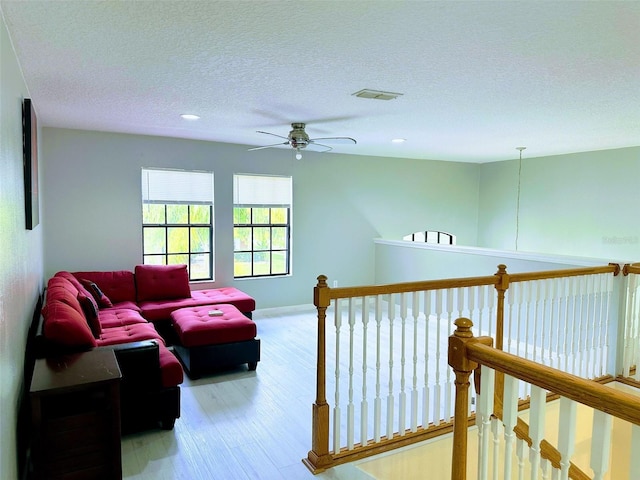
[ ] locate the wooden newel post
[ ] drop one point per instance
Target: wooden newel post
(318, 458)
(502, 285)
(463, 368)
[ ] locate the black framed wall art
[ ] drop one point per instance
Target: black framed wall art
(30, 150)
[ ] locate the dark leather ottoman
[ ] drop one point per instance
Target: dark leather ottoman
(209, 343)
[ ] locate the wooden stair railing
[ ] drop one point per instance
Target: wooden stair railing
(321, 456)
(467, 353)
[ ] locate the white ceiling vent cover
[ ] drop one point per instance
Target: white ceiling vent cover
(376, 94)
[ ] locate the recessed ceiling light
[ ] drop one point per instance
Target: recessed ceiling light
(399, 140)
(188, 116)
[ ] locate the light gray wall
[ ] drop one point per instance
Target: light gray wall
(583, 204)
(20, 255)
(92, 202)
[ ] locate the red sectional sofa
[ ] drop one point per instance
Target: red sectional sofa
(126, 311)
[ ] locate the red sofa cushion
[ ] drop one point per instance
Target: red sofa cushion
(65, 326)
(162, 282)
(195, 327)
(118, 317)
(170, 368)
(128, 333)
(118, 286)
(161, 309)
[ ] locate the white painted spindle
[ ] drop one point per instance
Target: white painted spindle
(600, 444)
(536, 427)
(566, 434)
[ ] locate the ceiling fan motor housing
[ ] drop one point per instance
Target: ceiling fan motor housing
(298, 138)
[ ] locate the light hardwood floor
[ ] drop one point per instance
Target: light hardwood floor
(239, 424)
(242, 425)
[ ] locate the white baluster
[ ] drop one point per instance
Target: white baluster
(553, 333)
(426, 399)
(484, 411)
(377, 403)
(600, 444)
(602, 296)
(336, 409)
(582, 326)
(565, 337)
(415, 309)
(537, 295)
(575, 330)
(520, 449)
(390, 396)
(449, 386)
(528, 287)
(511, 292)
(566, 434)
(545, 469)
(536, 427)
(510, 419)
(402, 414)
(436, 407)
(629, 336)
(350, 405)
(364, 404)
(495, 435)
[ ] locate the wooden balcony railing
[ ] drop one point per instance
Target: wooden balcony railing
(468, 354)
(385, 347)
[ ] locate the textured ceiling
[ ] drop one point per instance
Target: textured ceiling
(478, 78)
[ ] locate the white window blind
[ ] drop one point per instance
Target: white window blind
(262, 190)
(177, 186)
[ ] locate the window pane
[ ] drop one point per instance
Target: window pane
(154, 240)
(261, 238)
(178, 240)
(182, 259)
(261, 215)
(279, 262)
(154, 259)
(279, 238)
(200, 214)
(241, 216)
(177, 214)
(261, 263)
(241, 239)
(152, 213)
(200, 241)
(242, 264)
(199, 267)
(279, 215)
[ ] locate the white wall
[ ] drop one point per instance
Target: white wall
(398, 261)
(20, 255)
(92, 204)
(583, 204)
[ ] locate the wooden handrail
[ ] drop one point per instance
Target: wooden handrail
(616, 403)
(631, 268)
(366, 290)
(568, 272)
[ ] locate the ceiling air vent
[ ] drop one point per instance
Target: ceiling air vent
(376, 94)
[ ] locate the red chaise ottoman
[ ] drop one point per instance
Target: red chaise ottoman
(208, 342)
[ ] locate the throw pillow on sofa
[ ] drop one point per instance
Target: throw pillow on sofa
(162, 282)
(94, 290)
(90, 309)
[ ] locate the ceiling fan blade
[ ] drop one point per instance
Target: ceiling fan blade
(269, 146)
(269, 133)
(313, 147)
(335, 140)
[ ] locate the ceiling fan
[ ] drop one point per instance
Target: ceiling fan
(299, 140)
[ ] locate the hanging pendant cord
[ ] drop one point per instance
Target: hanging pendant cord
(518, 195)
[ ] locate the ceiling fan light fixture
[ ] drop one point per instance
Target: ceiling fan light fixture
(298, 154)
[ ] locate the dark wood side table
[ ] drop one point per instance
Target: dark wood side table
(75, 407)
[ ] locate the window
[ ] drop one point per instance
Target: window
(177, 220)
(261, 226)
(431, 236)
